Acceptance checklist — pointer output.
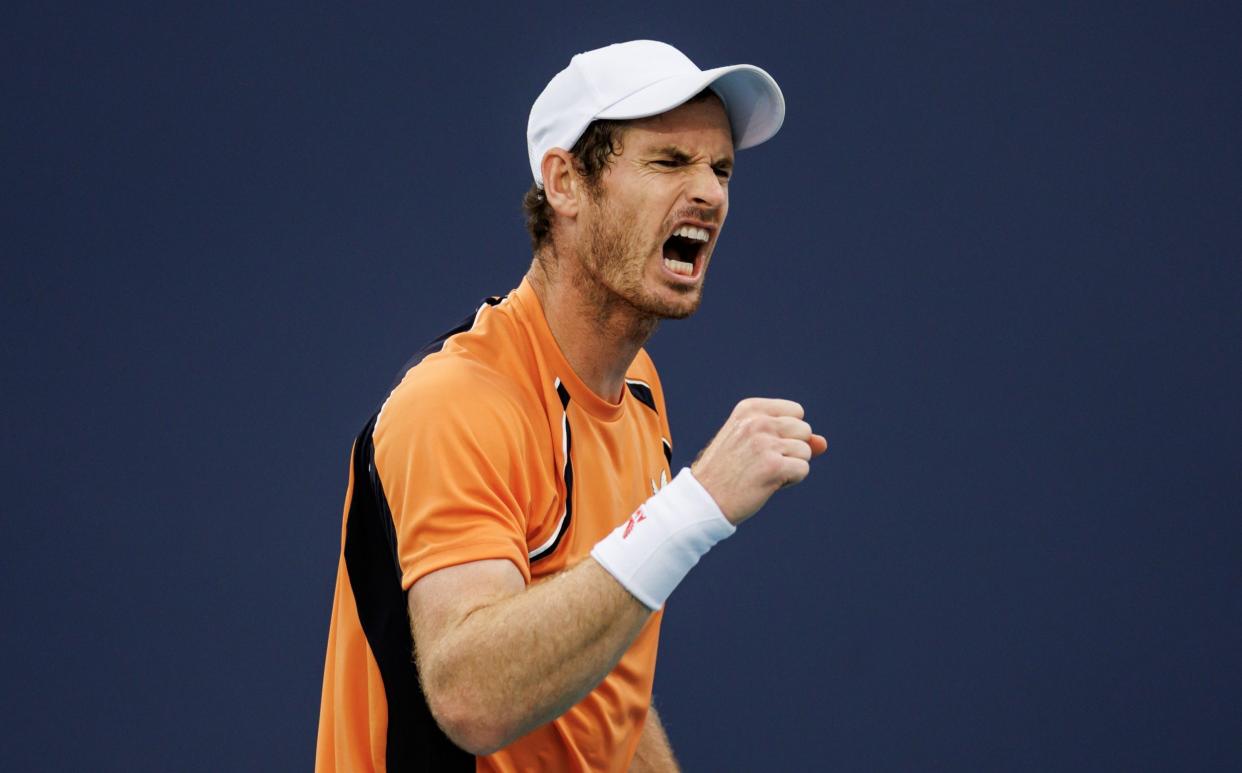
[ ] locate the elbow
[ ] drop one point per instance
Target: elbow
(466, 719)
(470, 731)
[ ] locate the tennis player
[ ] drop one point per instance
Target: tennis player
(512, 524)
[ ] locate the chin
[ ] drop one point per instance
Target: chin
(683, 310)
(680, 307)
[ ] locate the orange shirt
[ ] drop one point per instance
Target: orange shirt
(489, 447)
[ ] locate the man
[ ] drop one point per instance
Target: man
(510, 519)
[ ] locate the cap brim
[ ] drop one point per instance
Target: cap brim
(752, 100)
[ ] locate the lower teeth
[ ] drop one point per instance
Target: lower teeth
(679, 267)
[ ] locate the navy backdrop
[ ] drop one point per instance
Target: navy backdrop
(996, 251)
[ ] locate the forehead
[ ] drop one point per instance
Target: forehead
(701, 126)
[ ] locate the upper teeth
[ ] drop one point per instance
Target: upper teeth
(690, 232)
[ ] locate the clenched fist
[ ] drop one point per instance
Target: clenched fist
(764, 446)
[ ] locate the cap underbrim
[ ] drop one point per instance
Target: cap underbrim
(752, 100)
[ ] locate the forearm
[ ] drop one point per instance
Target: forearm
(654, 753)
(517, 663)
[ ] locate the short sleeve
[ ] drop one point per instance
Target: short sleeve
(450, 455)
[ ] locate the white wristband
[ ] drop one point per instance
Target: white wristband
(664, 538)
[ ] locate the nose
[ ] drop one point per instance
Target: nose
(706, 189)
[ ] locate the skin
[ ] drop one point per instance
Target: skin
(654, 753)
(492, 664)
(607, 288)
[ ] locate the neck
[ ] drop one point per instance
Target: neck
(599, 333)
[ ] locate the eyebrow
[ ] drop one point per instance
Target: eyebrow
(678, 154)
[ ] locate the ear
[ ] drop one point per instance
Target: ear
(561, 185)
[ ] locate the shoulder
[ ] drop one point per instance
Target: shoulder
(643, 363)
(449, 401)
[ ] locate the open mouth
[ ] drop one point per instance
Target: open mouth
(683, 250)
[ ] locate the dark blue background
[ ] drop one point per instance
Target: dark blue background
(996, 251)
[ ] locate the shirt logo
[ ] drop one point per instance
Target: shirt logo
(663, 482)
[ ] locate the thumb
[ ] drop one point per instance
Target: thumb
(819, 444)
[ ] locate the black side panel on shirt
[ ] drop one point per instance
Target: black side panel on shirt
(415, 741)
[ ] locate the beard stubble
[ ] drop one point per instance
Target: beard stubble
(615, 261)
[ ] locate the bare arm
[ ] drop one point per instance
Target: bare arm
(654, 753)
(497, 659)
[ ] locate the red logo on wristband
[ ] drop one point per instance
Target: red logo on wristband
(638, 517)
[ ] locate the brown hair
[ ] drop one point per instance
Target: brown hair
(592, 151)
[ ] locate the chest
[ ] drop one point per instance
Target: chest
(612, 467)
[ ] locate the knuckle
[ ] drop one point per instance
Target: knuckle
(798, 470)
(795, 428)
(753, 425)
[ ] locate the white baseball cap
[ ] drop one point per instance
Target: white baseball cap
(643, 78)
